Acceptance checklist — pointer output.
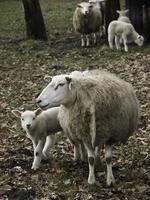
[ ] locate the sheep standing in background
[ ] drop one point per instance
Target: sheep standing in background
(95, 110)
(123, 16)
(121, 30)
(87, 20)
(40, 127)
(101, 5)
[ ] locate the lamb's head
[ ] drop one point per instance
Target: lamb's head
(122, 13)
(85, 8)
(28, 118)
(139, 40)
(58, 91)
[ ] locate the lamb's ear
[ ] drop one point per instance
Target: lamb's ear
(17, 113)
(38, 111)
(69, 80)
(118, 11)
(127, 10)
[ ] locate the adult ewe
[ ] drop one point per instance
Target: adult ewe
(95, 110)
(87, 19)
(121, 30)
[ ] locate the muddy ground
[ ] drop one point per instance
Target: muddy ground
(23, 66)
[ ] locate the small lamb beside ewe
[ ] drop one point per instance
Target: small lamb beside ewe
(95, 110)
(40, 127)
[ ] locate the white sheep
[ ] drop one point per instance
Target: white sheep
(95, 110)
(101, 5)
(87, 19)
(123, 16)
(125, 31)
(40, 127)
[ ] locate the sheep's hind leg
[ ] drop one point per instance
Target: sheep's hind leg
(82, 40)
(87, 41)
(110, 40)
(117, 42)
(91, 161)
(95, 38)
(38, 154)
(50, 141)
(108, 157)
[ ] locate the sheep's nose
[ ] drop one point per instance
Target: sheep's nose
(28, 126)
(38, 101)
(86, 12)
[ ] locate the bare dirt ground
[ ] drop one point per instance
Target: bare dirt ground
(23, 66)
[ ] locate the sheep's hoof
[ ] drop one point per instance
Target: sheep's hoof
(110, 181)
(91, 180)
(34, 167)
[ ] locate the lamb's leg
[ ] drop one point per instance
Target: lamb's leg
(125, 43)
(95, 38)
(110, 40)
(82, 40)
(38, 154)
(87, 41)
(117, 42)
(91, 161)
(108, 157)
(50, 141)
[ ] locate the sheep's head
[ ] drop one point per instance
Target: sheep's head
(122, 13)
(139, 40)
(85, 8)
(58, 91)
(28, 118)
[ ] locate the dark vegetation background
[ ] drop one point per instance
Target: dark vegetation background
(23, 66)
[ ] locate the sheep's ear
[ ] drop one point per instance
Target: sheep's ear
(69, 81)
(38, 111)
(118, 11)
(79, 6)
(17, 113)
(127, 10)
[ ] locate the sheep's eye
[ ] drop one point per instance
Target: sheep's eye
(33, 118)
(60, 84)
(79, 6)
(22, 119)
(91, 6)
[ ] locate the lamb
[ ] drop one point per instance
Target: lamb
(87, 19)
(95, 110)
(123, 16)
(40, 127)
(125, 31)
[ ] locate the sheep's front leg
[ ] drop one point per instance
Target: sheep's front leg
(91, 161)
(108, 157)
(50, 141)
(38, 154)
(82, 41)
